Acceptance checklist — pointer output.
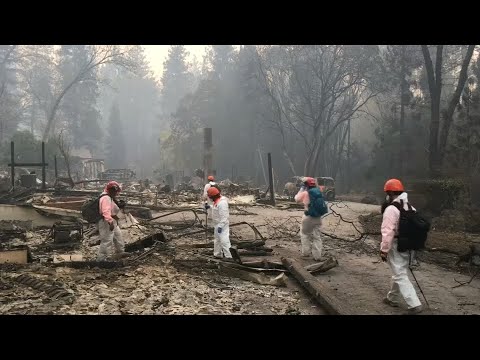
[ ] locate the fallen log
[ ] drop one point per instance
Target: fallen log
(251, 269)
(265, 264)
(322, 294)
(262, 248)
(239, 244)
(253, 253)
(323, 266)
(90, 264)
(196, 246)
(258, 278)
(195, 264)
(243, 252)
(208, 259)
(248, 244)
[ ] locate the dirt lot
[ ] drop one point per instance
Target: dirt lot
(361, 280)
(158, 285)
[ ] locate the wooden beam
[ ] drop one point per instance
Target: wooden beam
(323, 294)
(326, 265)
(259, 278)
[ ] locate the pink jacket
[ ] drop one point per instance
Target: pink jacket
(205, 189)
(390, 222)
(108, 208)
(302, 196)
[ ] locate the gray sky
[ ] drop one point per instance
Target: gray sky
(156, 55)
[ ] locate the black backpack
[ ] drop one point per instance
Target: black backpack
(412, 230)
(91, 210)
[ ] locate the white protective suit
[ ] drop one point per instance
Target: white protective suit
(107, 237)
(220, 215)
(206, 199)
(398, 261)
(310, 229)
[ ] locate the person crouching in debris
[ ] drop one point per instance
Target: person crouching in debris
(398, 261)
(310, 235)
(108, 226)
(205, 198)
(220, 215)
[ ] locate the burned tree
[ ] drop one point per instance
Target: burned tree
(316, 90)
(64, 146)
(97, 56)
(439, 137)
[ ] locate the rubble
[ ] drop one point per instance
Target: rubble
(161, 289)
(242, 199)
(67, 258)
(160, 274)
(13, 229)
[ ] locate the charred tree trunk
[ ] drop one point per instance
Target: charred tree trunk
(349, 163)
(438, 145)
(448, 114)
(435, 87)
(403, 88)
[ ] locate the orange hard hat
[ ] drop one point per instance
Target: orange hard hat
(213, 191)
(393, 185)
(211, 178)
(113, 185)
(309, 181)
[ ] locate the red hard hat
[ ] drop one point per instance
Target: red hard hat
(213, 191)
(113, 185)
(211, 178)
(310, 181)
(393, 185)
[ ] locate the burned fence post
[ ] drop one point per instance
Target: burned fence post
(56, 168)
(270, 179)
(44, 186)
(207, 154)
(12, 160)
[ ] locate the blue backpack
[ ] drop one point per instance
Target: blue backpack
(317, 206)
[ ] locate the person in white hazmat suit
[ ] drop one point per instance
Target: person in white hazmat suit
(110, 233)
(310, 228)
(398, 261)
(220, 215)
(205, 198)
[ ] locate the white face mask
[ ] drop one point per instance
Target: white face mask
(387, 198)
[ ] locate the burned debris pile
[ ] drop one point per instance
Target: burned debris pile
(48, 253)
